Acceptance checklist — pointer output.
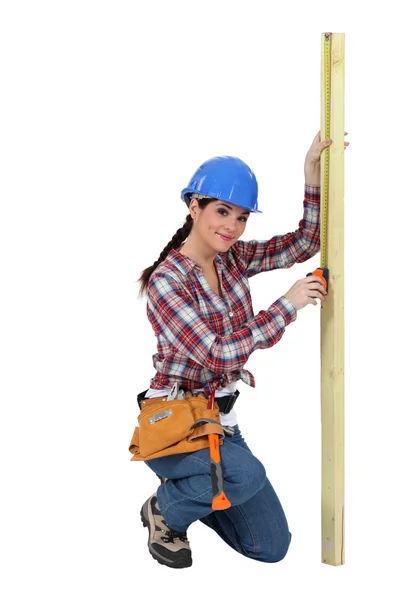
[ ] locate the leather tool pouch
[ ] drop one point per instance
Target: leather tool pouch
(174, 427)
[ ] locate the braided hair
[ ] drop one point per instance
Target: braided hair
(176, 241)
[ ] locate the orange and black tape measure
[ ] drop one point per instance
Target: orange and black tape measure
(322, 272)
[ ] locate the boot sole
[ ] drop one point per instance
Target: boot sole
(176, 564)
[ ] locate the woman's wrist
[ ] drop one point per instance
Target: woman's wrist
(312, 176)
(313, 181)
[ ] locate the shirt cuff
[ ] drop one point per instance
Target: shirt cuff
(312, 193)
(287, 309)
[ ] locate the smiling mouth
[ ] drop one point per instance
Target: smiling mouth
(225, 238)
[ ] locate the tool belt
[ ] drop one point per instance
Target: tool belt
(225, 403)
(174, 426)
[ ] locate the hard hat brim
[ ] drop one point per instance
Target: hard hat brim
(186, 191)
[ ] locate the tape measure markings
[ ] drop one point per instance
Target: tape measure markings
(327, 134)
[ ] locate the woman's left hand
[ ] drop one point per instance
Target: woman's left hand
(312, 165)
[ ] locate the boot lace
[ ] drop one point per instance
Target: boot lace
(171, 534)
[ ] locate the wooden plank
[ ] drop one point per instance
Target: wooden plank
(332, 315)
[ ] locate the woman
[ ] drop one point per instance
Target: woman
(200, 308)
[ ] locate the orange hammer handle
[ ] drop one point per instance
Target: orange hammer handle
(220, 501)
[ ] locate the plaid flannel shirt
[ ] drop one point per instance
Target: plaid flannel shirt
(203, 340)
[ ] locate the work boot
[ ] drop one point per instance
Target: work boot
(167, 546)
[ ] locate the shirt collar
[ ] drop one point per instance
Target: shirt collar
(184, 263)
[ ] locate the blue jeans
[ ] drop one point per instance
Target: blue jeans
(255, 524)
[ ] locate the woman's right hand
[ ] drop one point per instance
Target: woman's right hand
(305, 291)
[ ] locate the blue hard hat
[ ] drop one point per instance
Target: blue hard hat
(225, 178)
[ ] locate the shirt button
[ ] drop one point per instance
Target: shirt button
(230, 314)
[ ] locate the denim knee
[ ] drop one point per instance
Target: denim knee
(249, 478)
(272, 551)
(276, 551)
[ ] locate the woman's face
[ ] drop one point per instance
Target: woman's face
(220, 224)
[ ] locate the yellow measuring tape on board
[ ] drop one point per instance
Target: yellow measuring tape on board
(327, 134)
(323, 271)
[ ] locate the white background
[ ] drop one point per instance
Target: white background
(107, 108)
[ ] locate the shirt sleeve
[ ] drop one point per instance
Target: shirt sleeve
(283, 251)
(175, 315)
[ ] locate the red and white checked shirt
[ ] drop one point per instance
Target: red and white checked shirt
(203, 340)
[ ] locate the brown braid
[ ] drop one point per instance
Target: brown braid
(179, 237)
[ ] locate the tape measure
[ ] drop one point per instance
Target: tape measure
(323, 272)
(326, 153)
